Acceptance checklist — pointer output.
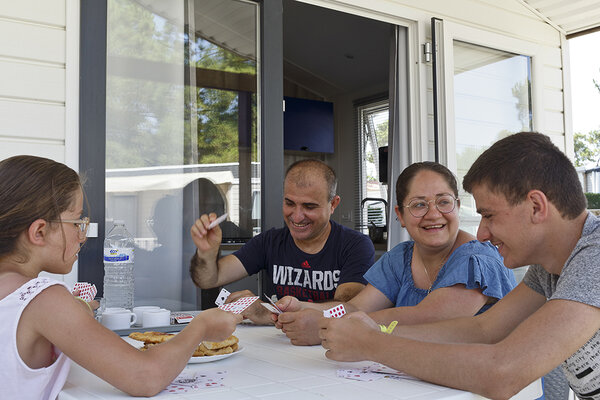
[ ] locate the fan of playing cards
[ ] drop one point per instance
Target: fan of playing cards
(240, 305)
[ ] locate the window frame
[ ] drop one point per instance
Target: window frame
(92, 122)
(452, 31)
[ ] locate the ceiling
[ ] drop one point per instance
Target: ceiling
(570, 17)
(332, 52)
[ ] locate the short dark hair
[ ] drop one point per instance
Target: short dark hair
(313, 165)
(527, 161)
(406, 177)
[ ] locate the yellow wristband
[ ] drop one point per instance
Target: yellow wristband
(390, 328)
(86, 303)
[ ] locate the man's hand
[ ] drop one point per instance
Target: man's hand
(289, 303)
(206, 240)
(301, 327)
(256, 312)
(350, 338)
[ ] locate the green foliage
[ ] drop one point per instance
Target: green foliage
(593, 200)
(149, 120)
(381, 132)
(587, 148)
(522, 92)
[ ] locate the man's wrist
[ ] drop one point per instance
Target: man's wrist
(198, 264)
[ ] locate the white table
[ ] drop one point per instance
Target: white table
(269, 367)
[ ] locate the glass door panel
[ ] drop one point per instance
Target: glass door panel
(492, 99)
(181, 117)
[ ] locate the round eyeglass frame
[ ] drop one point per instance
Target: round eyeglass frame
(436, 200)
(82, 224)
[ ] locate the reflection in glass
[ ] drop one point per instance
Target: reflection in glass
(492, 99)
(181, 123)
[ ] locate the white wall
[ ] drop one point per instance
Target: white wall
(39, 94)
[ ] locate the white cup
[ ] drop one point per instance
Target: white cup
(116, 319)
(160, 317)
(139, 312)
(115, 309)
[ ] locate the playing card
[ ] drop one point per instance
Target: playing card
(239, 306)
(271, 308)
(191, 381)
(388, 372)
(86, 291)
(335, 312)
(273, 303)
(223, 295)
(359, 374)
(181, 317)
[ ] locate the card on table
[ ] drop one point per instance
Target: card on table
(223, 295)
(335, 312)
(189, 381)
(239, 306)
(359, 374)
(372, 372)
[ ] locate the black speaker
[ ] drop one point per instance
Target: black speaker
(383, 164)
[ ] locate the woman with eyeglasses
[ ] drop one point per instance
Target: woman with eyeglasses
(44, 326)
(442, 273)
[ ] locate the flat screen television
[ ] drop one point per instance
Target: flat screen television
(308, 125)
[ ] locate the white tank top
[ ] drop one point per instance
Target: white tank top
(17, 380)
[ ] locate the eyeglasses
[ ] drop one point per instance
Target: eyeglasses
(419, 207)
(81, 224)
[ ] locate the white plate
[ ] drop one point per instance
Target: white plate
(205, 359)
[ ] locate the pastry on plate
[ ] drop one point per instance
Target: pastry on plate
(150, 339)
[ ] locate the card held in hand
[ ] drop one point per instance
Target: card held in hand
(335, 312)
(87, 291)
(239, 306)
(273, 304)
(271, 308)
(223, 295)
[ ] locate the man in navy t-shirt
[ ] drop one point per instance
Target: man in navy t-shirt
(312, 258)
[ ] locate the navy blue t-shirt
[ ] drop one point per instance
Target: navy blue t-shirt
(346, 256)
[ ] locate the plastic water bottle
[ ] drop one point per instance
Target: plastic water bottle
(118, 267)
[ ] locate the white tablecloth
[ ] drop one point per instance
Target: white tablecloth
(269, 367)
